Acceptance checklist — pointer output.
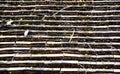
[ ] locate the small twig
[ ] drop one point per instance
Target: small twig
(14, 57)
(5, 23)
(9, 22)
(72, 35)
(62, 60)
(94, 50)
(60, 71)
(39, 14)
(91, 48)
(26, 33)
(60, 10)
(83, 68)
(43, 17)
(112, 47)
(15, 43)
(30, 51)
